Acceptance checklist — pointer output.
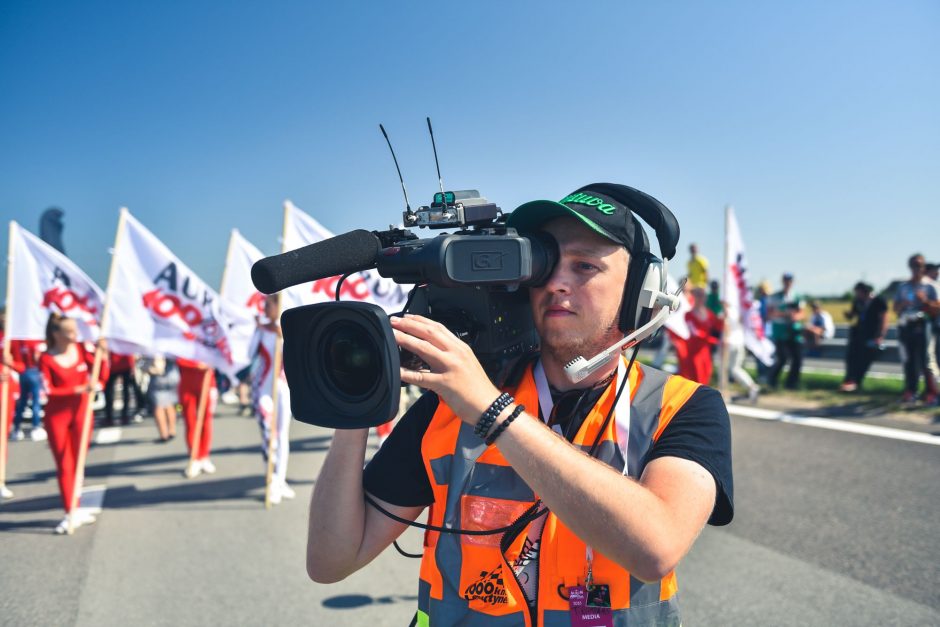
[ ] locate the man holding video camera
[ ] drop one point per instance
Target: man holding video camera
(595, 490)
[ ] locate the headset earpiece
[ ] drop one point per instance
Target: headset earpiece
(645, 275)
(645, 279)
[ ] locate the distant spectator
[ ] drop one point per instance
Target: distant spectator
(704, 328)
(933, 342)
(163, 393)
(913, 302)
(787, 312)
(26, 355)
(761, 297)
(819, 327)
(122, 367)
(714, 299)
(733, 333)
(931, 273)
(697, 268)
(866, 336)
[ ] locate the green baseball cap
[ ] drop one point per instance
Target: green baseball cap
(598, 211)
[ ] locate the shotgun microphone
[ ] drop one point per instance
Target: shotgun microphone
(343, 254)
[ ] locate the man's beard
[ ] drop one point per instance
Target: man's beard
(564, 349)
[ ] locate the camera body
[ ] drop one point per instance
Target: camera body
(341, 359)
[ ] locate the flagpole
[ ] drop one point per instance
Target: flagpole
(5, 387)
(723, 367)
(95, 372)
(200, 420)
(275, 379)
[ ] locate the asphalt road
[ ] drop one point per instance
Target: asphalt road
(831, 528)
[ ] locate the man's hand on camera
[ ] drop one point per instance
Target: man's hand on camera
(455, 372)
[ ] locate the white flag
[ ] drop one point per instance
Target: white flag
(158, 305)
(45, 281)
(368, 286)
(238, 290)
(742, 311)
(236, 281)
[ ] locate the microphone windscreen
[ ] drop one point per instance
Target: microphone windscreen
(350, 252)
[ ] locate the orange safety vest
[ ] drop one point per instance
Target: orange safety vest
(468, 580)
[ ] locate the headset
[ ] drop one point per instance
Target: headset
(645, 304)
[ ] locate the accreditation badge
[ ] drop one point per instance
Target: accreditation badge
(589, 606)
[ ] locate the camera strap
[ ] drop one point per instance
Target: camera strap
(621, 411)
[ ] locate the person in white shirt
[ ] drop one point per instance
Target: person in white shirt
(914, 302)
(734, 339)
(262, 379)
(819, 327)
(933, 329)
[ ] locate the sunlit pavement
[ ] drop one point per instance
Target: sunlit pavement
(831, 528)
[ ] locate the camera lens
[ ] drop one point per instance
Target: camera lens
(351, 359)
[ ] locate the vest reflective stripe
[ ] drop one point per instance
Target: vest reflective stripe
(467, 580)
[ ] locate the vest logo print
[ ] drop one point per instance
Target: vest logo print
(590, 201)
(489, 588)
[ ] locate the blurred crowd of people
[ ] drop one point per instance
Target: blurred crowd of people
(49, 388)
(51, 382)
(799, 327)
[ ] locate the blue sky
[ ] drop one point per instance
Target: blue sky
(818, 121)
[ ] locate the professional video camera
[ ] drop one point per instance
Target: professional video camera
(341, 360)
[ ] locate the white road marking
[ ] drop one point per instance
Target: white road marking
(890, 376)
(834, 425)
(108, 435)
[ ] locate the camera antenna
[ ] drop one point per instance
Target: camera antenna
(400, 178)
(436, 163)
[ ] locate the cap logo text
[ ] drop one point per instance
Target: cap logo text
(590, 201)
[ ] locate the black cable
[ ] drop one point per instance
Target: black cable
(465, 532)
(339, 284)
(610, 412)
(411, 296)
(533, 513)
(406, 553)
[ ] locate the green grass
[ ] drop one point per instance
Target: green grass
(814, 381)
(875, 397)
(837, 309)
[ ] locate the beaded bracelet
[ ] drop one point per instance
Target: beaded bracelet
(505, 424)
(489, 416)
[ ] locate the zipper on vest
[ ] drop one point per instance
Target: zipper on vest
(505, 543)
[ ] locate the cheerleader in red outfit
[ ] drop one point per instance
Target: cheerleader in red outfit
(10, 375)
(13, 391)
(704, 331)
(192, 375)
(66, 369)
